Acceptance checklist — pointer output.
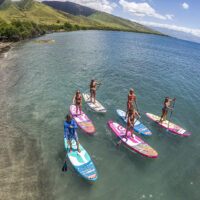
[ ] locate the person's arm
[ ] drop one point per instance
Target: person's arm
(135, 101)
(137, 114)
(73, 99)
(66, 126)
(96, 83)
(172, 99)
(74, 124)
(166, 105)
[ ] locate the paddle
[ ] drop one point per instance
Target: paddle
(64, 168)
(137, 109)
(170, 115)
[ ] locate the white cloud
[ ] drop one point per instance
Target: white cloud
(195, 32)
(185, 5)
(101, 5)
(142, 9)
(170, 17)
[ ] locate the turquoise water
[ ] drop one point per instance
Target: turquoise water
(155, 67)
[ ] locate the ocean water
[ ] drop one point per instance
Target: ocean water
(45, 79)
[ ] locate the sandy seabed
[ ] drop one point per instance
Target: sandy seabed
(22, 172)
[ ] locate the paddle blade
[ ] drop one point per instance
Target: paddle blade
(119, 143)
(64, 168)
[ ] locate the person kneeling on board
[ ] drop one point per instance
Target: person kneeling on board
(93, 89)
(166, 108)
(78, 98)
(131, 121)
(70, 132)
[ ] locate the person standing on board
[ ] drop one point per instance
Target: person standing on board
(78, 98)
(70, 132)
(166, 108)
(131, 121)
(131, 98)
(93, 90)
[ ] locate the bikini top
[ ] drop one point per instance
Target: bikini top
(131, 98)
(78, 98)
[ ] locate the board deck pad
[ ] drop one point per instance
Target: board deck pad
(172, 127)
(138, 127)
(82, 120)
(135, 143)
(94, 106)
(81, 161)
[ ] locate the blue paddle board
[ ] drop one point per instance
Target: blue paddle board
(81, 161)
(138, 127)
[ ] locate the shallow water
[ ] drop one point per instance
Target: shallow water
(155, 66)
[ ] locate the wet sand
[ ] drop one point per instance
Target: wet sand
(22, 172)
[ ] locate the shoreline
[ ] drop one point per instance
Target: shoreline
(5, 46)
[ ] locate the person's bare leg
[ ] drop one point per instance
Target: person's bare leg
(77, 143)
(90, 97)
(164, 115)
(132, 130)
(70, 144)
(127, 128)
(94, 96)
(161, 118)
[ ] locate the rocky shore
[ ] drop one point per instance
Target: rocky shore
(5, 46)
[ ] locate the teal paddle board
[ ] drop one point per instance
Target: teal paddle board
(81, 161)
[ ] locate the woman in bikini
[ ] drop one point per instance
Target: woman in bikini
(93, 90)
(78, 98)
(131, 121)
(131, 98)
(166, 108)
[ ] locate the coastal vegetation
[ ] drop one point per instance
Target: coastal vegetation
(24, 19)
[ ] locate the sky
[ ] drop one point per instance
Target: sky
(176, 15)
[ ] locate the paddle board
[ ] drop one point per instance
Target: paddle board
(81, 161)
(95, 106)
(172, 127)
(135, 143)
(138, 127)
(44, 41)
(82, 120)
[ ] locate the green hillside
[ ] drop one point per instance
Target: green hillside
(119, 23)
(28, 18)
(29, 10)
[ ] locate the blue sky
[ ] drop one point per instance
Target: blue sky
(176, 15)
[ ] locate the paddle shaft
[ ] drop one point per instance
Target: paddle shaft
(171, 113)
(64, 168)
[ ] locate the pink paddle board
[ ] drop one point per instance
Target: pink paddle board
(82, 120)
(135, 143)
(172, 127)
